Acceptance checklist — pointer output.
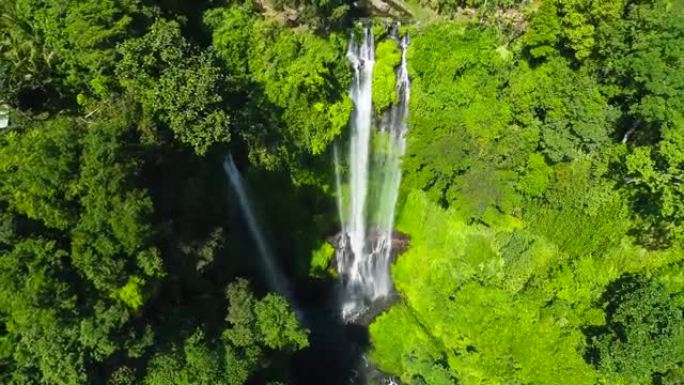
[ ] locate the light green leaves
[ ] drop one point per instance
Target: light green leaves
(542, 36)
(536, 177)
(294, 102)
(278, 325)
(320, 260)
(268, 321)
(388, 57)
(39, 170)
(131, 293)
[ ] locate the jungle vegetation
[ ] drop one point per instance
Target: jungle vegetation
(542, 191)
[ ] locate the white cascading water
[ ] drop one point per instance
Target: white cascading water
(362, 57)
(364, 249)
(338, 184)
(274, 277)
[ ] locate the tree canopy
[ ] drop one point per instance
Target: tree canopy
(541, 200)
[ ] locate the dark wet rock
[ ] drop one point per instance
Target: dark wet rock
(395, 9)
(400, 242)
(370, 308)
(375, 308)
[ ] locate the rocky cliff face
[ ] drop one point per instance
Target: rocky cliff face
(396, 9)
(400, 243)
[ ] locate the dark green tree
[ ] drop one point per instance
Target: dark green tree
(645, 57)
(40, 169)
(258, 332)
(294, 86)
(643, 338)
(177, 86)
(112, 241)
(76, 38)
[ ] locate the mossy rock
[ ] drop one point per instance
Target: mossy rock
(321, 260)
(387, 58)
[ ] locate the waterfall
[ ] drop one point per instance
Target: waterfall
(4, 116)
(364, 247)
(338, 184)
(362, 58)
(274, 277)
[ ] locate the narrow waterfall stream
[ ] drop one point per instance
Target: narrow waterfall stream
(365, 244)
(352, 266)
(274, 276)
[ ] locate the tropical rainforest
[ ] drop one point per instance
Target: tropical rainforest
(542, 192)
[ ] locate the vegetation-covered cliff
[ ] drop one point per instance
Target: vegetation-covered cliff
(542, 189)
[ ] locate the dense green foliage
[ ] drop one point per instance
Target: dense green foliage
(542, 245)
(255, 327)
(295, 86)
(644, 334)
(178, 87)
(451, 6)
(111, 244)
(489, 303)
(542, 189)
(388, 57)
(79, 263)
(64, 46)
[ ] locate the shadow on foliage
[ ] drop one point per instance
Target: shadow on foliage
(610, 300)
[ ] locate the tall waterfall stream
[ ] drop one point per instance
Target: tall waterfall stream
(275, 278)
